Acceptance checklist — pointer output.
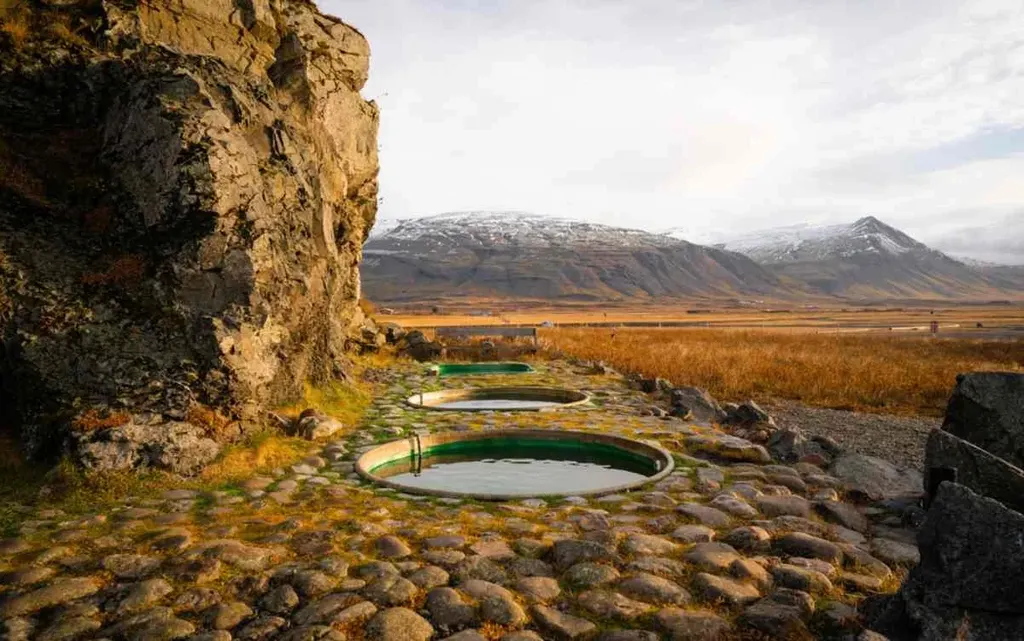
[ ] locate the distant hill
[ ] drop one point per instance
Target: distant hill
(1009, 277)
(519, 255)
(866, 259)
(512, 254)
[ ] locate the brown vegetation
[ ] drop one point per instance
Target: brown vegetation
(61, 29)
(15, 25)
(263, 452)
(215, 423)
(368, 307)
(92, 420)
(344, 402)
(858, 372)
(785, 317)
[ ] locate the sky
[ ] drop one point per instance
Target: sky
(707, 116)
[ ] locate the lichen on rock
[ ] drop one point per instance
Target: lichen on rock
(185, 193)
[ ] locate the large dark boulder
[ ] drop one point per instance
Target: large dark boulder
(987, 409)
(967, 585)
(185, 189)
(950, 458)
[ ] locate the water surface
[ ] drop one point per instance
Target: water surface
(521, 470)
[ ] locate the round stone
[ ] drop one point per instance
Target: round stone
(398, 624)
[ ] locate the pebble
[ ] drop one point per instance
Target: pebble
(800, 544)
(653, 589)
(691, 625)
(142, 595)
(708, 516)
(560, 624)
(716, 588)
(713, 556)
(58, 592)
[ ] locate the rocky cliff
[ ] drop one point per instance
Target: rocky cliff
(185, 189)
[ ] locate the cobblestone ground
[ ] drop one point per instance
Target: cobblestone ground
(729, 546)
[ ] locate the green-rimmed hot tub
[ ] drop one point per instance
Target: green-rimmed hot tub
(480, 369)
(504, 399)
(514, 464)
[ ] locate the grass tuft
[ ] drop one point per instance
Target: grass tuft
(261, 453)
(344, 402)
(15, 25)
(92, 420)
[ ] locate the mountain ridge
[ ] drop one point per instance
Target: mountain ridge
(519, 254)
(863, 259)
(531, 256)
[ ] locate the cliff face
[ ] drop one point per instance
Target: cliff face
(185, 189)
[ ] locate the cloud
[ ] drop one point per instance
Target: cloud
(659, 113)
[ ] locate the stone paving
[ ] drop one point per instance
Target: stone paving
(729, 546)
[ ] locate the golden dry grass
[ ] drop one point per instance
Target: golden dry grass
(859, 372)
(783, 317)
(347, 403)
(62, 29)
(91, 420)
(15, 25)
(261, 453)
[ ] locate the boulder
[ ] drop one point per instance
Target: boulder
(869, 478)
(748, 413)
(701, 405)
(950, 458)
(787, 445)
(967, 583)
(987, 409)
(195, 183)
(393, 332)
(178, 447)
(423, 351)
(318, 427)
(790, 445)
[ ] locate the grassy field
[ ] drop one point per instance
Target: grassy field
(964, 319)
(868, 372)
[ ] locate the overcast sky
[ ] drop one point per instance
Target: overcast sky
(709, 116)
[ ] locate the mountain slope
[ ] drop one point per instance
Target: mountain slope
(1009, 277)
(864, 260)
(512, 254)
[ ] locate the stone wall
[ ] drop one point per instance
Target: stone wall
(187, 186)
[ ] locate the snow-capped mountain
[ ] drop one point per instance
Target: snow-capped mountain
(521, 255)
(863, 259)
(514, 228)
(798, 243)
(487, 253)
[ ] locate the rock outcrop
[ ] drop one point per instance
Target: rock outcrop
(966, 585)
(987, 409)
(971, 550)
(185, 189)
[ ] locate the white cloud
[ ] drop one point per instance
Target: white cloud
(659, 113)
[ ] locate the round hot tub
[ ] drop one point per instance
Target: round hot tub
(482, 399)
(515, 464)
(480, 369)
